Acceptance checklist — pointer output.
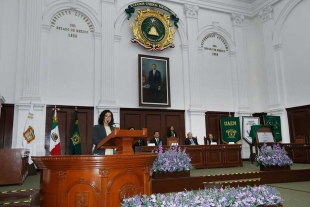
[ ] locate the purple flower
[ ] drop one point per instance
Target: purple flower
(275, 156)
(173, 159)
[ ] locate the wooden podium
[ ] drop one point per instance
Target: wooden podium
(96, 180)
(122, 140)
(172, 140)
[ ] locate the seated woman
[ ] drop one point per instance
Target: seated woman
(171, 132)
(190, 140)
(210, 139)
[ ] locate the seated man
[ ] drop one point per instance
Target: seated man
(190, 140)
(140, 142)
(156, 139)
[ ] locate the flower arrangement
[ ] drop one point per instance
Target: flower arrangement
(242, 196)
(276, 156)
(172, 160)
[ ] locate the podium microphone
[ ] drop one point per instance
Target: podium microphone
(121, 125)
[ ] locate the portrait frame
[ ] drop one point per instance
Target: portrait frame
(247, 122)
(154, 85)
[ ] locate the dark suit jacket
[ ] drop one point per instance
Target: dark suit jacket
(154, 141)
(98, 135)
(154, 80)
(169, 134)
(140, 142)
(188, 142)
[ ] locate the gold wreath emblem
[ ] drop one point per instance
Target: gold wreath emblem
(153, 30)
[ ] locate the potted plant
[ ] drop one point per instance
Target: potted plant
(173, 162)
(273, 159)
(242, 196)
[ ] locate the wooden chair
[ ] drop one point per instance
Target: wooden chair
(172, 140)
(205, 140)
(14, 166)
(301, 139)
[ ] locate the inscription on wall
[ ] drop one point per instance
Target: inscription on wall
(216, 45)
(74, 28)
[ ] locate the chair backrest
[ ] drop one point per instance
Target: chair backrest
(172, 140)
(205, 140)
(300, 139)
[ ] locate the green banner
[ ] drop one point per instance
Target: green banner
(253, 131)
(275, 122)
(131, 9)
(230, 127)
(75, 141)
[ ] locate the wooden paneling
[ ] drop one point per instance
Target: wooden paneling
(134, 120)
(154, 120)
(14, 166)
(207, 156)
(299, 122)
(213, 123)
(6, 125)
(261, 117)
(65, 124)
(298, 152)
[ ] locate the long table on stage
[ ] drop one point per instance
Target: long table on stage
(207, 156)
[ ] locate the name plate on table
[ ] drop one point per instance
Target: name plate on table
(264, 137)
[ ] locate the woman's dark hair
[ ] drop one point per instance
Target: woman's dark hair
(101, 117)
(169, 128)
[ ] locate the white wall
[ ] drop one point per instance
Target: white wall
(9, 33)
(82, 71)
(255, 60)
(296, 62)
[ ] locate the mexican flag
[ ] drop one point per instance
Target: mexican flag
(54, 137)
(29, 141)
(75, 140)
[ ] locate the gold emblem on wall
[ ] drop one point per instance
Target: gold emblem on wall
(153, 30)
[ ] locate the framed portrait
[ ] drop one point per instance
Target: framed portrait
(247, 122)
(154, 82)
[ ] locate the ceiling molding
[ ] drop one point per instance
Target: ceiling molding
(248, 8)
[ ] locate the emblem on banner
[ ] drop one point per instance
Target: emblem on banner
(231, 133)
(153, 30)
(29, 134)
(75, 138)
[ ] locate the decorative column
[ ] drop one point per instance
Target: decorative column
(272, 82)
(242, 84)
(191, 14)
(108, 76)
(107, 47)
(1, 22)
(31, 79)
(98, 67)
(186, 93)
(234, 79)
(45, 33)
(196, 113)
(273, 65)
